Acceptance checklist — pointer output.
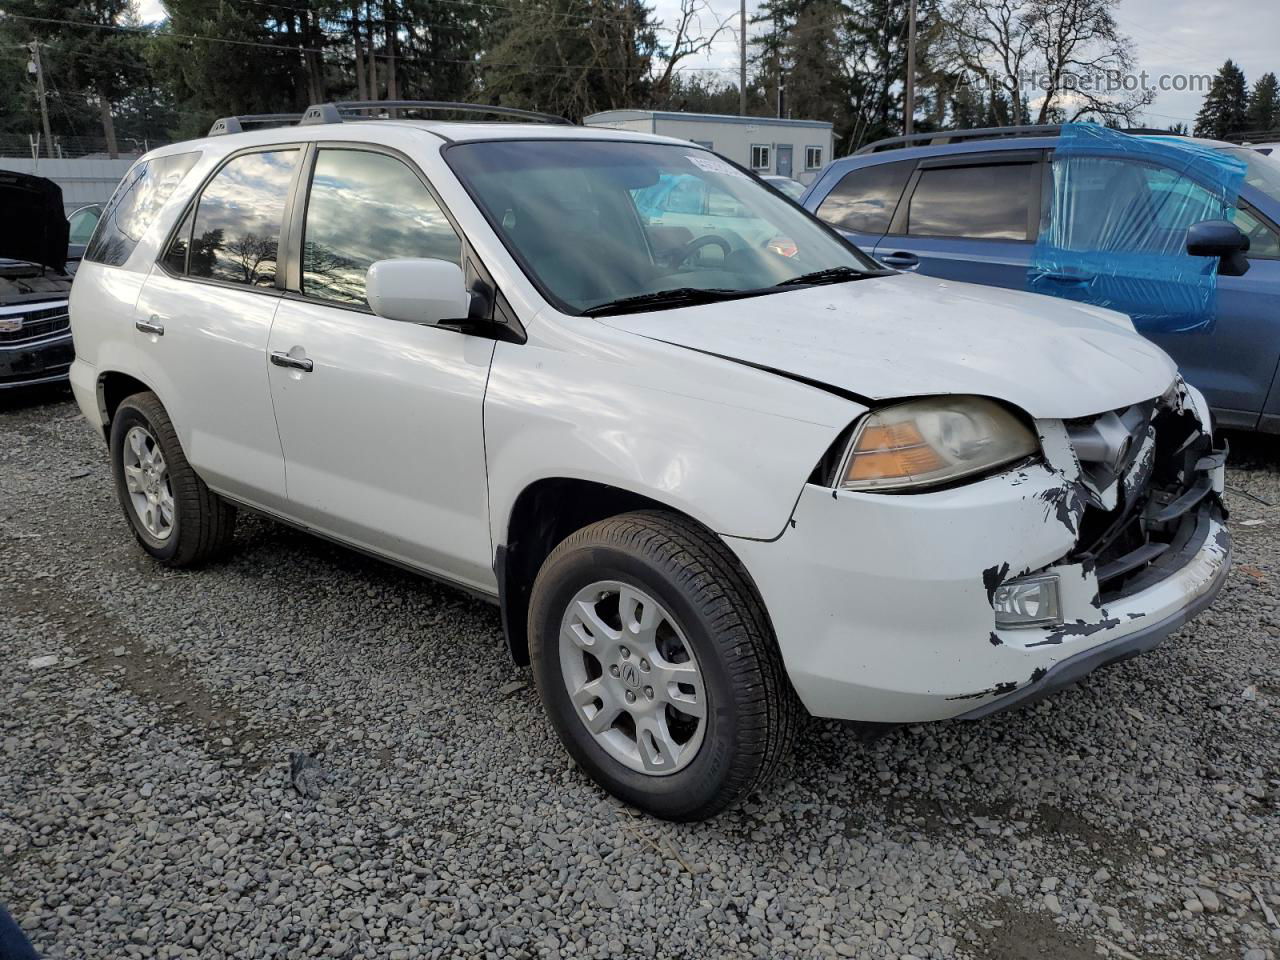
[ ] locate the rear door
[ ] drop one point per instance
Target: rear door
(862, 203)
(971, 217)
(380, 421)
(205, 316)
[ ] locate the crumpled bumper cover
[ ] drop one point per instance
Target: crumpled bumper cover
(882, 603)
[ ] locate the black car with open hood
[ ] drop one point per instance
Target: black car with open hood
(35, 331)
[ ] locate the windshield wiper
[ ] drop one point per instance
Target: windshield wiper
(678, 297)
(832, 275)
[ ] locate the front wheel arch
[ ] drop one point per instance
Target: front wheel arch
(545, 513)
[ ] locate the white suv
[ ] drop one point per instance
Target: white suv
(712, 482)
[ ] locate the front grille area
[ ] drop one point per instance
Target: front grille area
(1146, 469)
(33, 325)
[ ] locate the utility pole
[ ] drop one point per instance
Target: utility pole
(909, 94)
(38, 69)
(742, 65)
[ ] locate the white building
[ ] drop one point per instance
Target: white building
(789, 148)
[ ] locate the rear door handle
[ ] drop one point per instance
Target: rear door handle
(152, 326)
(900, 261)
(282, 359)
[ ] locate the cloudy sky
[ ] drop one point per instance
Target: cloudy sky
(1172, 37)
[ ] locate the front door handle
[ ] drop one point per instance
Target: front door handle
(900, 260)
(282, 359)
(152, 326)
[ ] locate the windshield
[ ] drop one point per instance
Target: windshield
(1262, 172)
(596, 222)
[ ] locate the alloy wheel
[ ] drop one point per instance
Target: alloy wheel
(633, 678)
(146, 477)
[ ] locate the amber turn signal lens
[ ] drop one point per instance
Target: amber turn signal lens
(932, 441)
(901, 462)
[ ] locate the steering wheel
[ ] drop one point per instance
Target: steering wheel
(681, 254)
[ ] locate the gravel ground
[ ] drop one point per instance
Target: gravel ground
(149, 806)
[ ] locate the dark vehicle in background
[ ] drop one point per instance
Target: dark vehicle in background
(35, 332)
(970, 206)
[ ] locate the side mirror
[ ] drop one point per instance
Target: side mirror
(423, 290)
(1220, 238)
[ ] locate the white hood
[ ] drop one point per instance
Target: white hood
(907, 335)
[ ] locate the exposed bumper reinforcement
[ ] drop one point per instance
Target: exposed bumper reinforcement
(1075, 668)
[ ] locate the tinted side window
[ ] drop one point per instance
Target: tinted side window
(134, 205)
(366, 207)
(864, 200)
(984, 202)
(237, 227)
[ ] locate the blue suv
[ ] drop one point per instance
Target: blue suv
(1133, 221)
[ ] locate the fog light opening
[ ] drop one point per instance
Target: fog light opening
(1030, 602)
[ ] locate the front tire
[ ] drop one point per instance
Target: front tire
(175, 517)
(657, 665)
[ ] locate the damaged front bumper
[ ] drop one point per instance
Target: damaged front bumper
(882, 603)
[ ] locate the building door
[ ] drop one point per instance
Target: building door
(784, 159)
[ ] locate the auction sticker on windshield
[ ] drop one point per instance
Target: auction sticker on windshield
(712, 165)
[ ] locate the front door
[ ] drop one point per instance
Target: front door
(380, 421)
(784, 159)
(1124, 222)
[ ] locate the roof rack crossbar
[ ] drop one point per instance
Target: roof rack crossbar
(333, 112)
(238, 124)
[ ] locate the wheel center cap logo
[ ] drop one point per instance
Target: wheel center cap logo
(630, 675)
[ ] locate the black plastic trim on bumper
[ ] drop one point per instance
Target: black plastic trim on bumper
(38, 362)
(1075, 668)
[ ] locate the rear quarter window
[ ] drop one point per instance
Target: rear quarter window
(135, 203)
(864, 200)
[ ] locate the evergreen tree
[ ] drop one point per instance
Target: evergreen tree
(1264, 104)
(88, 66)
(1225, 105)
(571, 57)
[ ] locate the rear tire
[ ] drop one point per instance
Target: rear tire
(645, 627)
(176, 518)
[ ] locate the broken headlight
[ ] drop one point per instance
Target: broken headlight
(937, 440)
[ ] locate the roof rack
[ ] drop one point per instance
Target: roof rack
(943, 137)
(237, 124)
(334, 112)
(939, 138)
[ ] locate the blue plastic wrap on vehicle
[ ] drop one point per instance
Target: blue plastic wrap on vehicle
(1114, 222)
